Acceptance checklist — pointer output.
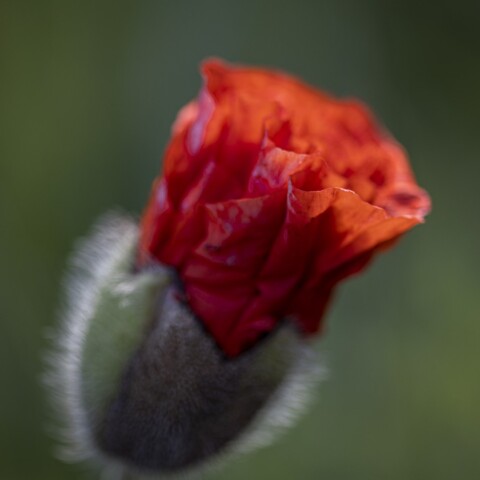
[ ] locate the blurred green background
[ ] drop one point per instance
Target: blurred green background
(88, 91)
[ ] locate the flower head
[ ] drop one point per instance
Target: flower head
(272, 192)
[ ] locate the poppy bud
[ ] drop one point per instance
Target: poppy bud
(189, 332)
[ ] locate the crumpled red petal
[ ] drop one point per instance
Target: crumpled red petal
(273, 192)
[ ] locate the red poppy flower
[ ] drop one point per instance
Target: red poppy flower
(273, 192)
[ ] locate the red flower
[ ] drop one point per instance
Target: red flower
(272, 192)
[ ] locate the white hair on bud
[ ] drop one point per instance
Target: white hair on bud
(113, 235)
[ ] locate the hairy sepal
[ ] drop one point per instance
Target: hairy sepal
(142, 385)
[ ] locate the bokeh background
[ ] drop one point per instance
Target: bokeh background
(88, 91)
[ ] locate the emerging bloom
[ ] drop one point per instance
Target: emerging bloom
(272, 193)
